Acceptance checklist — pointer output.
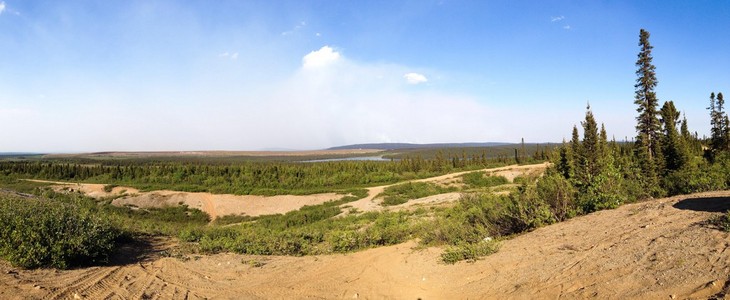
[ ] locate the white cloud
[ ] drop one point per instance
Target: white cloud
(566, 27)
(2, 7)
(232, 56)
(320, 58)
(415, 78)
(557, 19)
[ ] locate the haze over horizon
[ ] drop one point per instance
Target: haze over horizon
(232, 75)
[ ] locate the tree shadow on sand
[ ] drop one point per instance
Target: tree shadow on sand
(709, 204)
(138, 250)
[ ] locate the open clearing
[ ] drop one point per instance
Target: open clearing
(655, 249)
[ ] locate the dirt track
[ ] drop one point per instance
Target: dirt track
(649, 250)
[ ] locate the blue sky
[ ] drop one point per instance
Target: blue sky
(247, 75)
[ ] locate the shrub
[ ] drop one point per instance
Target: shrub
(232, 219)
(401, 193)
(39, 233)
(193, 234)
(109, 187)
(469, 252)
(526, 211)
(559, 194)
(722, 222)
(478, 179)
(698, 176)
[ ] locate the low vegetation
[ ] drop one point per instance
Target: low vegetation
(401, 193)
(42, 233)
(482, 180)
(43, 228)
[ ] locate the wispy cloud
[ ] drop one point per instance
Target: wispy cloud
(557, 19)
(232, 56)
(415, 78)
(2, 7)
(567, 27)
(296, 28)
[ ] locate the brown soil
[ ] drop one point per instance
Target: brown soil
(659, 249)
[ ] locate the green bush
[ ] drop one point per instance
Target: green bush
(109, 187)
(469, 252)
(39, 233)
(559, 194)
(699, 176)
(401, 193)
(232, 219)
(479, 180)
(526, 211)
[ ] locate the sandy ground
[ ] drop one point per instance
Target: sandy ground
(659, 249)
(215, 205)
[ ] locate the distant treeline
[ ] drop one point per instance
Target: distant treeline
(263, 178)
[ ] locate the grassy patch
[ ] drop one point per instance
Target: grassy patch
(401, 193)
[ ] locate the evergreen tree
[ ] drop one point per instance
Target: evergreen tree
(673, 149)
(588, 161)
(719, 135)
(603, 142)
(565, 161)
(723, 123)
(648, 126)
(684, 130)
(727, 133)
(577, 152)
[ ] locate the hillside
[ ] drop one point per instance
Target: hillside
(662, 248)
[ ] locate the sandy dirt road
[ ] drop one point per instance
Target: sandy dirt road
(656, 249)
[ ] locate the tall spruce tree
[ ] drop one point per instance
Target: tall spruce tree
(723, 123)
(648, 126)
(565, 161)
(588, 160)
(576, 151)
(673, 148)
(719, 132)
